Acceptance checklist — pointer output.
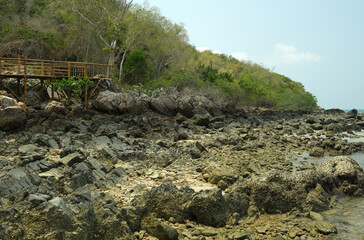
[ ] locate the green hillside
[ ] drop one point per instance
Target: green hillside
(148, 50)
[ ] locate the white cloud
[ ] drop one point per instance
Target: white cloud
(289, 54)
(240, 56)
(202, 49)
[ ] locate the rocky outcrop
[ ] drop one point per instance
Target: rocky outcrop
(12, 118)
(279, 192)
(170, 103)
(100, 176)
(6, 101)
(56, 107)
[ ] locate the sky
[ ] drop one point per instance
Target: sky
(319, 43)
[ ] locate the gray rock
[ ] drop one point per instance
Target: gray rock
(82, 175)
(201, 117)
(325, 227)
(166, 105)
(161, 231)
(316, 216)
(12, 118)
(56, 107)
(208, 207)
(131, 103)
(318, 199)
(56, 173)
(317, 152)
(37, 198)
(185, 106)
(166, 201)
(218, 173)
(241, 235)
(7, 102)
(108, 102)
(72, 159)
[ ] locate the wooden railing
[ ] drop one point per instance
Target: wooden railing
(36, 68)
(24, 68)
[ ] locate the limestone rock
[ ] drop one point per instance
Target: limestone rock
(209, 208)
(325, 227)
(161, 231)
(56, 107)
(317, 152)
(12, 118)
(108, 102)
(7, 102)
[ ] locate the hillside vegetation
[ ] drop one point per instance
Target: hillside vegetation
(148, 50)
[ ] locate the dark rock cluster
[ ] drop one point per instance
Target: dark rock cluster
(174, 167)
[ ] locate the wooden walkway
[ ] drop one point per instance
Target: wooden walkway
(24, 68)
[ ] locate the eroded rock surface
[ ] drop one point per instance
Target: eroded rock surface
(192, 173)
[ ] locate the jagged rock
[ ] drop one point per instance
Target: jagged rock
(131, 103)
(185, 106)
(277, 192)
(208, 207)
(218, 173)
(167, 201)
(352, 113)
(325, 227)
(82, 175)
(203, 102)
(7, 102)
(160, 230)
(343, 171)
(108, 102)
(12, 118)
(318, 199)
(72, 159)
(317, 152)
(201, 117)
(56, 107)
(166, 105)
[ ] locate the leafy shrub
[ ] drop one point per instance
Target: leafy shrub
(72, 87)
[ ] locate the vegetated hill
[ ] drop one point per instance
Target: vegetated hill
(149, 50)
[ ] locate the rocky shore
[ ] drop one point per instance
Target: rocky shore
(171, 166)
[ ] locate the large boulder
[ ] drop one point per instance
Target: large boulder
(166, 105)
(56, 107)
(12, 118)
(185, 106)
(7, 102)
(277, 192)
(166, 201)
(131, 103)
(108, 102)
(209, 207)
(344, 174)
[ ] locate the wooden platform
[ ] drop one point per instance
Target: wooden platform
(24, 68)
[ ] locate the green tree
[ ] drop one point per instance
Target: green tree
(136, 67)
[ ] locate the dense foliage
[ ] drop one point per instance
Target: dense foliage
(148, 50)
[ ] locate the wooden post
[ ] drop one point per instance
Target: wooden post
(0, 61)
(1, 79)
(86, 86)
(52, 75)
(42, 68)
(69, 69)
(19, 59)
(25, 80)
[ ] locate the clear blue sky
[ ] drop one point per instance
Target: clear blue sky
(319, 43)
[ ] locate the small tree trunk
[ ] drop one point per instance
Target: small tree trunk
(121, 66)
(111, 62)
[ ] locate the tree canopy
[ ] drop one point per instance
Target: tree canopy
(148, 49)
